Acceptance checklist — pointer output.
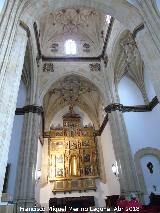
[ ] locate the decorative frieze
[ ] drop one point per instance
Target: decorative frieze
(29, 108)
(48, 67)
(95, 67)
(119, 107)
(138, 108)
(54, 47)
(86, 47)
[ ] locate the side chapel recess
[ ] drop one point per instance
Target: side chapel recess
(72, 155)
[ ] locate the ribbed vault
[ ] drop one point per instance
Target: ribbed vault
(120, 9)
(128, 61)
(72, 90)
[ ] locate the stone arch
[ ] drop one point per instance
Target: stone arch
(135, 70)
(138, 155)
(82, 73)
(26, 9)
(114, 56)
(119, 9)
(82, 105)
(116, 62)
(122, 10)
(123, 16)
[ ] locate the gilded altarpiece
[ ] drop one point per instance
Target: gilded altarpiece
(72, 156)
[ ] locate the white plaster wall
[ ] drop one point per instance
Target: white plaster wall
(151, 179)
(16, 140)
(142, 128)
(38, 167)
(109, 159)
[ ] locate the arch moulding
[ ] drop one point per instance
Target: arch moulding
(97, 81)
(122, 10)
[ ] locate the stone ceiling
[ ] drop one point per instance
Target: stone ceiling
(86, 27)
(73, 90)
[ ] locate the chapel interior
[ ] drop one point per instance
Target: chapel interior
(79, 104)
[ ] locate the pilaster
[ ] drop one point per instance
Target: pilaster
(25, 184)
(28, 155)
(10, 78)
(127, 173)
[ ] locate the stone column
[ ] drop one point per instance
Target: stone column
(8, 29)
(127, 173)
(10, 79)
(25, 184)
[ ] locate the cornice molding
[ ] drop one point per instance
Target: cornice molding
(153, 103)
(28, 109)
(107, 38)
(137, 29)
(26, 28)
(110, 108)
(120, 107)
(138, 108)
(99, 132)
(32, 109)
(63, 59)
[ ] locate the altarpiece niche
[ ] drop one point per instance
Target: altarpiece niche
(72, 155)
